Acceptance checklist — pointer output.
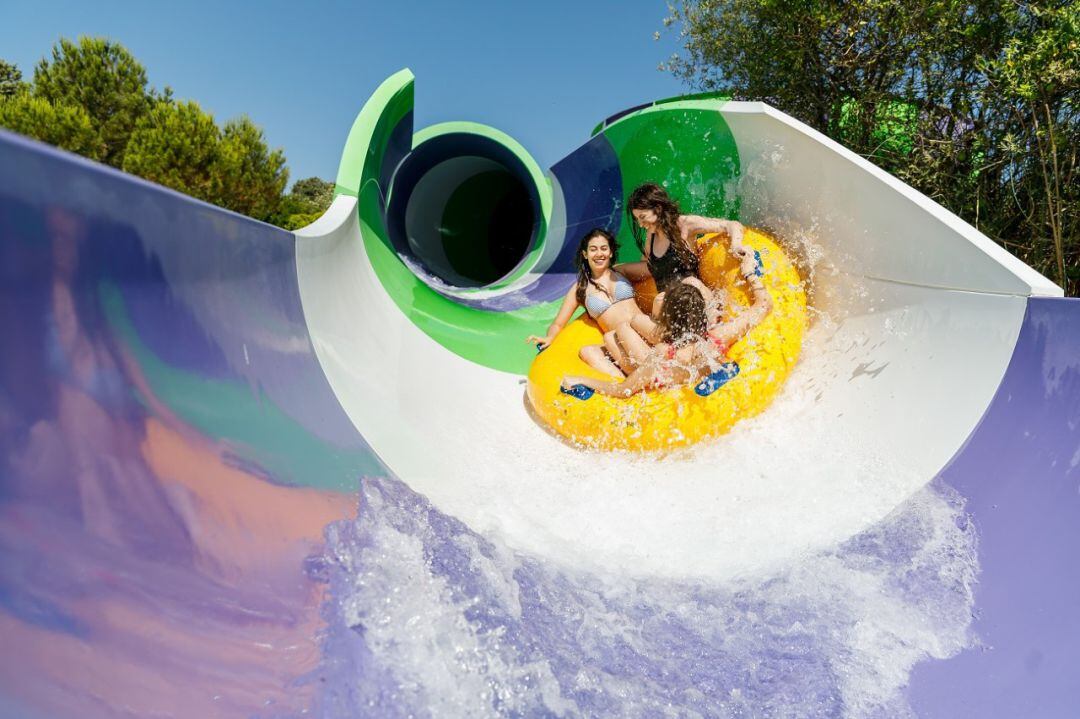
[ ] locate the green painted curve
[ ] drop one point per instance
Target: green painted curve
(369, 137)
(684, 145)
(250, 424)
(541, 184)
(493, 339)
(687, 147)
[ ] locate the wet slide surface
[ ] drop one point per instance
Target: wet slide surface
(212, 503)
(171, 452)
(1020, 473)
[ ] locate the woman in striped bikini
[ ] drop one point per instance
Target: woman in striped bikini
(608, 297)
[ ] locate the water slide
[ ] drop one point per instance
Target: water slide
(255, 473)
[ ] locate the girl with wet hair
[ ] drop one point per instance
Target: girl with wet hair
(608, 298)
(666, 238)
(688, 349)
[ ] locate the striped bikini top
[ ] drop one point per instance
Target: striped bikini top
(596, 303)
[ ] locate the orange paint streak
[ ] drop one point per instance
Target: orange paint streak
(204, 671)
(238, 520)
(151, 654)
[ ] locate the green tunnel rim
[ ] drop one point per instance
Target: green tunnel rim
(536, 175)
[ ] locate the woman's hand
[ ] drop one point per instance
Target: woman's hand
(735, 231)
(748, 265)
(570, 380)
(540, 342)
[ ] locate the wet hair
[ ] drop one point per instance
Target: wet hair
(651, 196)
(682, 316)
(584, 275)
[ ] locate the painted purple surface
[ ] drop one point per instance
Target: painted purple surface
(592, 192)
(398, 146)
(1020, 473)
(204, 285)
(165, 429)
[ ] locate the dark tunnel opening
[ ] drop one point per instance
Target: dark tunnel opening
(464, 208)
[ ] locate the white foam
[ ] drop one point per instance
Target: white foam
(456, 625)
(722, 508)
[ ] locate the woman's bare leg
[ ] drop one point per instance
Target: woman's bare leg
(632, 342)
(616, 353)
(594, 356)
(657, 303)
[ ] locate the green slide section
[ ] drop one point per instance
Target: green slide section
(683, 144)
(493, 339)
(541, 184)
(366, 145)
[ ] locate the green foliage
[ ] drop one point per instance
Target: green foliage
(64, 126)
(976, 103)
(178, 145)
(10, 80)
(102, 78)
(318, 193)
(1037, 77)
(92, 98)
(250, 177)
(295, 221)
(306, 202)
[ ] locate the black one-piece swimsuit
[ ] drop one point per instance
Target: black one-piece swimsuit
(668, 269)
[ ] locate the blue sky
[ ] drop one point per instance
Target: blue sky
(545, 73)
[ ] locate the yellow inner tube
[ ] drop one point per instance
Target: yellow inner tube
(669, 418)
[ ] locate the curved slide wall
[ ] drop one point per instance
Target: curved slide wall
(189, 398)
(171, 452)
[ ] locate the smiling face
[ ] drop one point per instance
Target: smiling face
(598, 254)
(644, 217)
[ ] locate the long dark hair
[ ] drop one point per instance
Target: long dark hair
(584, 276)
(682, 316)
(651, 196)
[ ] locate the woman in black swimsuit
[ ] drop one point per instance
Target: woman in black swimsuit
(666, 239)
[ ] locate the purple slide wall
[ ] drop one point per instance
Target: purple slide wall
(1020, 473)
(170, 452)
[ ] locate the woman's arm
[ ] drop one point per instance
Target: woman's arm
(566, 311)
(697, 225)
(640, 379)
(761, 304)
(633, 271)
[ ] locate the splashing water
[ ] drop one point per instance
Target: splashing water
(428, 618)
(800, 576)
